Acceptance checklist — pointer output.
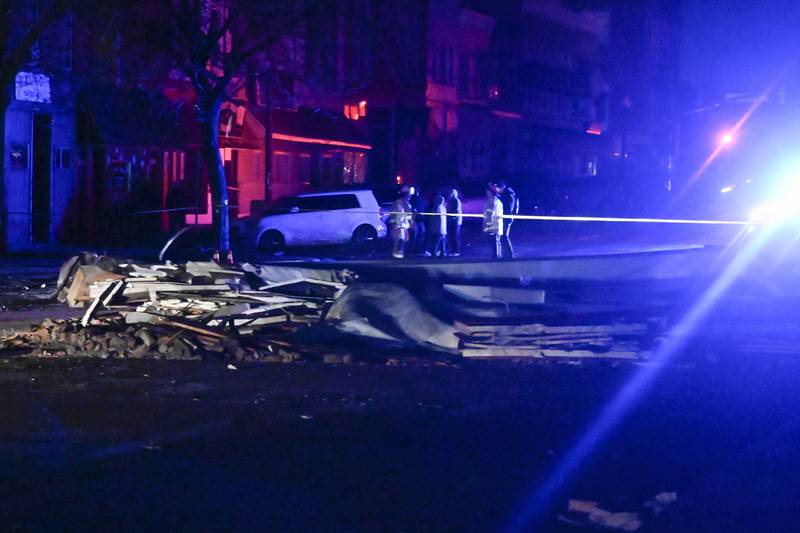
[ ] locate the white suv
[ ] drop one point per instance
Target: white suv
(344, 217)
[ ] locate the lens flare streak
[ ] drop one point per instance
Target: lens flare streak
(540, 499)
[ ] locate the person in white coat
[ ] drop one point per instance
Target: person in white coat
(437, 228)
(493, 222)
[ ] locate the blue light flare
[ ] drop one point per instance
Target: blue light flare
(540, 499)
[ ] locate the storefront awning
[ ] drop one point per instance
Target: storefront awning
(317, 127)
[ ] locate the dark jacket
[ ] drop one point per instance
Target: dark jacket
(454, 207)
(510, 203)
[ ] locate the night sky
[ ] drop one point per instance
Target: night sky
(739, 45)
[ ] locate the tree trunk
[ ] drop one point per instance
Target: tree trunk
(210, 109)
(5, 102)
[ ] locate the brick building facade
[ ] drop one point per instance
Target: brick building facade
(430, 92)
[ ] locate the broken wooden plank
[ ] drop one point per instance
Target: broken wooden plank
(194, 328)
(541, 329)
(112, 289)
(208, 268)
(515, 352)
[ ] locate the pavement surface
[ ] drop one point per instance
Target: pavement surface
(149, 445)
(129, 445)
(532, 239)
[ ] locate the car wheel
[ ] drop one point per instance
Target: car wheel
(271, 243)
(363, 241)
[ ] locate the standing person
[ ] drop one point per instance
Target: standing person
(454, 222)
(437, 228)
(493, 221)
(418, 206)
(401, 222)
(510, 207)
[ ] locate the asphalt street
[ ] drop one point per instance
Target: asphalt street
(149, 445)
(94, 444)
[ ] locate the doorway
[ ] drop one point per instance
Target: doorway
(41, 177)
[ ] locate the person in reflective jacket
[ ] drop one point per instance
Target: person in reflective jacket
(401, 223)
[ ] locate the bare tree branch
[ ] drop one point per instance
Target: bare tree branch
(15, 55)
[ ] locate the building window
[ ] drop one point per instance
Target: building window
(305, 168)
(217, 19)
(443, 67)
(174, 165)
(356, 111)
(471, 82)
(256, 93)
(282, 167)
(353, 167)
(587, 166)
(62, 158)
(473, 157)
(231, 119)
(119, 172)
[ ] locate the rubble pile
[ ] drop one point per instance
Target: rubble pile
(192, 311)
(286, 312)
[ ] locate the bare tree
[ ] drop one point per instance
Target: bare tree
(217, 44)
(22, 23)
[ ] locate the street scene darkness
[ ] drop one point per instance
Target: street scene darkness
(382, 265)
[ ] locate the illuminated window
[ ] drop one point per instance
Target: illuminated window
(355, 111)
(354, 167)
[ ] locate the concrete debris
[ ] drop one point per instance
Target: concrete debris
(662, 501)
(622, 515)
(621, 521)
(278, 313)
(193, 311)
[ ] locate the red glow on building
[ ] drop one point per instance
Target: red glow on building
(356, 111)
(311, 140)
(594, 129)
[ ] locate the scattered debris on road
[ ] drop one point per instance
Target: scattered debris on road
(285, 313)
(190, 311)
(617, 341)
(588, 514)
